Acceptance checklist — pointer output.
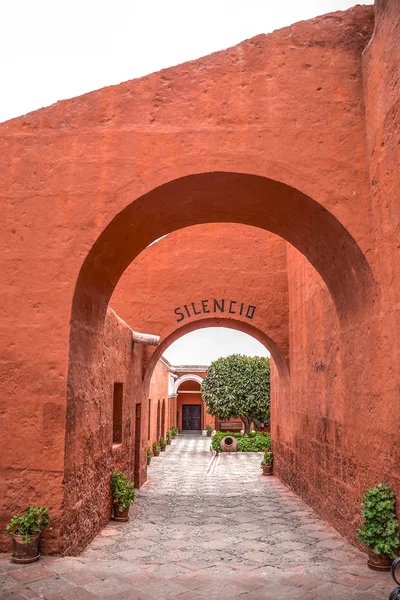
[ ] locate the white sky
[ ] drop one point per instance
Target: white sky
(203, 346)
(56, 49)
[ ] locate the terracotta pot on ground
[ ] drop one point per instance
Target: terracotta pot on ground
(156, 452)
(209, 433)
(118, 515)
(379, 562)
(267, 469)
(25, 552)
(229, 444)
(169, 442)
(149, 460)
(163, 449)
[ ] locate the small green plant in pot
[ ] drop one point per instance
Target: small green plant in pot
(380, 531)
(156, 449)
(174, 431)
(168, 435)
(26, 530)
(267, 462)
(209, 430)
(123, 495)
(163, 443)
(149, 455)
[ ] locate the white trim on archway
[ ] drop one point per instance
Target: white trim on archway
(188, 377)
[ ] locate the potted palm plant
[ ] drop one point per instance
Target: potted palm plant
(156, 449)
(163, 444)
(380, 531)
(168, 435)
(123, 495)
(26, 530)
(267, 461)
(149, 455)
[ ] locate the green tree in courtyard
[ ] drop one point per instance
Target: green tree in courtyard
(238, 386)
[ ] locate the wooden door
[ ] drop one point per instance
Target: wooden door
(191, 417)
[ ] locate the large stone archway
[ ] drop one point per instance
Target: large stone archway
(270, 134)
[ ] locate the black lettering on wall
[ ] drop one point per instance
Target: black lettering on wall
(250, 311)
(231, 303)
(195, 311)
(204, 304)
(179, 314)
(214, 306)
(221, 307)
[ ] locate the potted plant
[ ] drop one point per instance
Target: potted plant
(163, 444)
(380, 531)
(149, 455)
(123, 495)
(209, 430)
(26, 530)
(156, 449)
(267, 461)
(174, 431)
(168, 435)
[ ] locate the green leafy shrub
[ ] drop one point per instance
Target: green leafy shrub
(123, 491)
(149, 453)
(163, 442)
(209, 429)
(380, 531)
(30, 523)
(156, 446)
(174, 431)
(168, 435)
(267, 460)
(251, 442)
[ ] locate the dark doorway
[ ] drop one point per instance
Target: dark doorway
(191, 417)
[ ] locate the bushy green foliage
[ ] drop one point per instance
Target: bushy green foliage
(380, 531)
(156, 446)
(149, 453)
(174, 431)
(168, 435)
(30, 523)
(122, 488)
(163, 442)
(209, 429)
(267, 460)
(238, 386)
(251, 442)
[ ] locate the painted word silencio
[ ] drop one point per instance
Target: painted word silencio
(201, 307)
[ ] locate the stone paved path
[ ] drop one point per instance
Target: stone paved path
(206, 527)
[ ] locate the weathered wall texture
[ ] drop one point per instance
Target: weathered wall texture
(91, 455)
(295, 133)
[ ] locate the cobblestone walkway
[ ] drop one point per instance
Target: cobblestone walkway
(206, 527)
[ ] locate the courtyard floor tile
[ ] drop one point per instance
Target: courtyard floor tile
(205, 526)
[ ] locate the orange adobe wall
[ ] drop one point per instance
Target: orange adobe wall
(294, 133)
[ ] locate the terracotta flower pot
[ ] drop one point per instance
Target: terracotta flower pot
(169, 442)
(209, 433)
(118, 515)
(162, 448)
(149, 460)
(156, 452)
(25, 552)
(378, 562)
(267, 469)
